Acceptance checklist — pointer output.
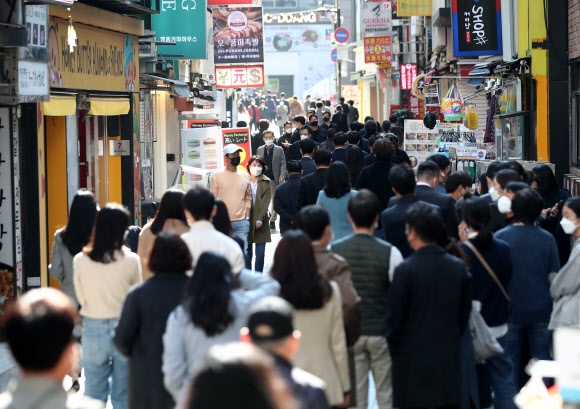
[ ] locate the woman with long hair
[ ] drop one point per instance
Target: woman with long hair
(103, 274)
(169, 217)
(213, 312)
(318, 307)
(259, 233)
(355, 162)
(243, 114)
(142, 324)
(334, 198)
(70, 240)
(222, 223)
(478, 241)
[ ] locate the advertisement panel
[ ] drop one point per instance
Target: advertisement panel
(238, 35)
(241, 137)
(245, 76)
(408, 74)
(202, 123)
(420, 141)
(408, 8)
(476, 28)
(202, 148)
(297, 37)
(376, 19)
(102, 60)
(378, 49)
(183, 23)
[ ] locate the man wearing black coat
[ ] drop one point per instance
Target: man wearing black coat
(305, 133)
(427, 179)
(285, 196)
(312, 184)
(429, 305)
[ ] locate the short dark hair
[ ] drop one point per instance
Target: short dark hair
(169, 254)
(427, 170)
(299, 118)
(307, 146)
(263, 125)
(370, 127)
(318, 104)
(294, 166)
(337, 180)
(330, 132)
(39, 327)
(393, 138)
(477, 214)
(457, 179)
(386, 126)
(322, 157)
(338, 108)
(363, 208)
(353, 138)
(504, 176)
(325, 113)
(308, 128)
(372, 140)
(515, 165)
(312, 220)
(425, 220)
(241, 124)
(495, 167)
(515, 187)
(527, 204)
(383, 149)
(441, 160)
(341, 99)
(340, 138)
(393, 118)
(256, 158)
(313, 115)
(351, 102)
(199, 201)
(402, 179)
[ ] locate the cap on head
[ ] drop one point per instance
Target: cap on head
(232, 148)
(270, 319)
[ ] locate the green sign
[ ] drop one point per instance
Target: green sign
(182, 22)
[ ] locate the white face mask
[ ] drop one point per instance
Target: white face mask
(504, 205)
(269, 142)
(493, 194)
(568, 226)
(302, 137)
(255, 170)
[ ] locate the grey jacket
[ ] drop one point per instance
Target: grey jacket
(565, 290)
(278, 162)
(61, 266)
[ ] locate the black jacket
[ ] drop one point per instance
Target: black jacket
(400, 156)
(286, 200)
(308, 165)
(376, 178)
(319, 135)
(370, 159)
(294, 153)
(139, 337)
(429, 304)
(257, 141)
(341, 122)
(310, 186)
(497, 219)
(393, 222)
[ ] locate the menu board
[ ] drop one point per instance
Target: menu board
(202, 148)
(238, 35)
(420, 141)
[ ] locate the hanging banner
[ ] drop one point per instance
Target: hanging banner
(202, 148)
(245, 76)
(297, 37)
(184, 23)
(238, 35)
(408, 8)
(378, 49)
(240, 137)
(408, 74)
(476, 28)
(376, 19)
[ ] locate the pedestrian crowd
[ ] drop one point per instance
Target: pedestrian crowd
(379, 274)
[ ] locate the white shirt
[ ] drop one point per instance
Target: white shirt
(395, 259)
(423, 184)
(254, 186)
(204, 237)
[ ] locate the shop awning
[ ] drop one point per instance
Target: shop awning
(109, 106)
(60, 105)
(174, 87)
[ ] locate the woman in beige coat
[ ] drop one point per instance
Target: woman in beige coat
(318, 315)
(169, 217)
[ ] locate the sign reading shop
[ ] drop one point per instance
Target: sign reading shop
(476, 28)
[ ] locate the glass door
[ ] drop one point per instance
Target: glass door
(97, 157)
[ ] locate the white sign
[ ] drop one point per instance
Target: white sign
(567, 355)
(202, 148)
(119, 148)
(33, 78)
(6, 210)
(342, 52)
(297, 37)
(376, 19)
(420, 142)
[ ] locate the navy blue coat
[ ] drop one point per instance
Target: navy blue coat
(286, 201)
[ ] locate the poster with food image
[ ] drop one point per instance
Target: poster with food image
(238, 35)
(202, 147)
(240, 137)
(297, 37)
(192, 177)
(420, 142)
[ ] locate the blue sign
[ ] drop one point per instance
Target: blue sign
(476, 28)
(334, 55)
(341, 35)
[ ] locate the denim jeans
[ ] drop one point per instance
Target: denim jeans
(241, 229)
(501, 370)
(260, 252)
(539, 339)
(371, 353)
(106, 370)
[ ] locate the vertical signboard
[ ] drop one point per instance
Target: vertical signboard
(408, 8)
(182, 22)
(408, 74)
(240, 137)
(238, 35)
(376, 19)
(476, 28)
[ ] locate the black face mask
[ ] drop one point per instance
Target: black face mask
(235, 161)
(314, 123)
(326, 119)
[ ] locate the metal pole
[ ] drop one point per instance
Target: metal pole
(338, 62)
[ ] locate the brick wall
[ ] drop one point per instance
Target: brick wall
(574, 28)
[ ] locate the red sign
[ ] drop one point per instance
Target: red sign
(341, 35)
(417, 106)
(241, 137)
(408, 74)
(378, 49)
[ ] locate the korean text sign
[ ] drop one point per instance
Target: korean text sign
(378, 49)
(408, 74)
(240, 137)
(476, 28)
(184, 23)
(238, 35)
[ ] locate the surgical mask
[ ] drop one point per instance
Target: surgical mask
(289, 130)
(568, 226)
(504, 204)
(255, 170)
(235, 161)
(269, 142)
(302, 137)
(314, 123)
(494, 194)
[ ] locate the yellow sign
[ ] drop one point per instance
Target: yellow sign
(407, 8)
(102, 59)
